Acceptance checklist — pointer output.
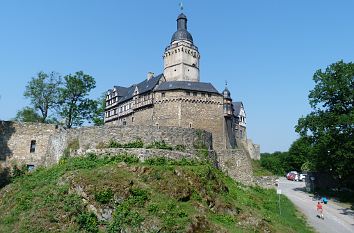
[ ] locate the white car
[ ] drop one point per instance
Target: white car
(302, 177)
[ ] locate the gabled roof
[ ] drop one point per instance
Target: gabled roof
(143, 87)
(122, 91)
(237, 107)
(185, 85)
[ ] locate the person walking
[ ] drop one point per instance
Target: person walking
(319, 208)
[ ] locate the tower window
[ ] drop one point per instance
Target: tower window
(163, 94)
(33, 146)
(209, 95)
(203, 94)
(132, 119)
(195, 93)
(190, 125)
(188, 93)
(124, 123)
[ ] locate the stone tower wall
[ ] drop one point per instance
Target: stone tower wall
(199, 112)
(181, 63)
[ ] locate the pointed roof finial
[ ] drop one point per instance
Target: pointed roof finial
(181, 6)
(226, 83)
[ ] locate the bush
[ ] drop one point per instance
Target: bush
(88, 222)
(105, 196)
(159, 145)
(180, 148)
(138, 143)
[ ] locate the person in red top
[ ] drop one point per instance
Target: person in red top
(320, 210)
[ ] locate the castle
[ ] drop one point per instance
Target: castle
(174, 107)
(177, 98)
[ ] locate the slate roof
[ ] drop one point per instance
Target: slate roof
(185, 85)
(237, 107)
(122, 91)
(143, 87)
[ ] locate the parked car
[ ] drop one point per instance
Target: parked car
(290, 176)
(302, 177)
(293, 175)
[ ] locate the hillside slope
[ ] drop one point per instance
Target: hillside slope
(120, 194)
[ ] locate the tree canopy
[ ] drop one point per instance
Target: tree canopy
(75, 106)
(28, 114)
(329, 126)
(43, 94)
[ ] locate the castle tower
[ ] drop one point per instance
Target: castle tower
(181, 57)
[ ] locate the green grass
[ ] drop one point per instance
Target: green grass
(159, 195)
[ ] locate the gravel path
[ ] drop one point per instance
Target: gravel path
(336, 218)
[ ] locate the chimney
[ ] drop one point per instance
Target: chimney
(150, 75)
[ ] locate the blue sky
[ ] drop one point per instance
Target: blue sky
(266, 50)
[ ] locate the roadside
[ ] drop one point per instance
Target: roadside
(338, 218)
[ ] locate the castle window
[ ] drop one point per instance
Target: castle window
(188, 93)
(163, 94)
(190, 125)
(157, 125)
(124, 123)
(203, 94)
(209, 95)
(132, 119)
(30, 167)
(195, 93)
(33, 146)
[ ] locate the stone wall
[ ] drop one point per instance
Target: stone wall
(237, 164)
(253, 150)
(178, 109)
(15, 142)
(51, 141)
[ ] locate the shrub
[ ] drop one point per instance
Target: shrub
(159, 145)
(180, 148)
(104, 197)
(114, 144)
(138, 143)
(88, 222)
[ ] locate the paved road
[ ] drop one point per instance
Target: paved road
(336, 218)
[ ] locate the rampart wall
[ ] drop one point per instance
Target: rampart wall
(51, 140)
(16, 141)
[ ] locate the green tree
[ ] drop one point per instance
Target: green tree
(98, 117)
(299, 153)
(28, 114)
(330, 125)
(74, 106)
(275, 162)
(43, 93)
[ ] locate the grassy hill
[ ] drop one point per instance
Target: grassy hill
(120, 194)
